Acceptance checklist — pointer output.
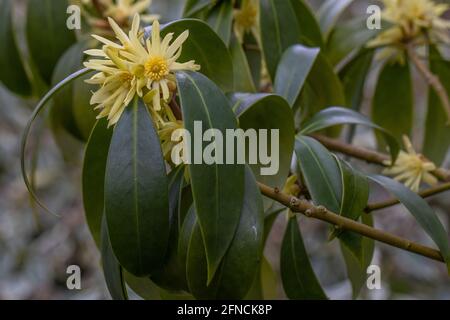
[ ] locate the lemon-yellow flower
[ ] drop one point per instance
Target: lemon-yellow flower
(412, 21)
(246, 19)
(135, 66)
(411, 168)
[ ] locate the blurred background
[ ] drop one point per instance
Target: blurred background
(36, 248)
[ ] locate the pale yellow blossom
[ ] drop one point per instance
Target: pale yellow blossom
(411, 168)
(246, 19)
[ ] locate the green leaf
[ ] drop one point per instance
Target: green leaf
(254, 58)
(293, 70)
(13, 74)
(235, 276)
(309, 29)
(47, 34)
(218, 188)
(112, 270)
(279, 31)
(322, 89)
(136, 193)
(193, 7)
(172, 275)
(268, 111)
(83, 112)
(421, 211)
(221, 19)
(243, 78)
(62, 112)
(393, 104)
(357, 267)
(353, 77)
(202, 44)
(320, 171)
(437, 132)
(94, 167)
(265, 285)
(299, 280)
(142, 286)
(336, 115)
(329, 14)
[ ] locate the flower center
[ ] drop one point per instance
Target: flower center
(246, 17)
(156, 68)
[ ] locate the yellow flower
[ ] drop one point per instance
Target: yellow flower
(411, 168)
(246, 19)
(135, 66)
(412, 21)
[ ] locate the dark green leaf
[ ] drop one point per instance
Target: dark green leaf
(329, 14)
(136, 193)
(235, 276)
(263, 111)
(94, 167)
(217, 188)
(293, 70)
(392, 106)
(202, 44)
(243, 79)
(194, 6)
(47, 34)
(335, 116)
(347, 37)
(437, 132)
(142, 286)
(254, 58)
(309, 29)
(111, 268)
(299, 280)
(221, 19)
(279, 31)
(421, 211)
(12, 74)
(320, 171)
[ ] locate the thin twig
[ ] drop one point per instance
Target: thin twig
(432, 79)
(306, 208)
(392, 202)
(369, 155)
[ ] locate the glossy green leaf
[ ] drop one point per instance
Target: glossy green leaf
(293, 70)
(329, 14)
(217, 188)
(309, 29)
(268, 111)
(202, 44)
(172, 275)
(336, 116)
(437, 132)
(394, 97)
(221, 19)
(353, 77)
(254, 58)
(299, 280)
(243, 78)
(265, 285)
(192, 7)
(112, 270)
(322, 89)
(62, 112)
(320, 171)
(357, 267)
(347, 37)
(13, 74)
(279, 31)
(420, 210)
(136, 193)
(47, 34)
(94, 167)
(142, 286)
(236, 274)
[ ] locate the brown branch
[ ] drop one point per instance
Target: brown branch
(432, 79)
(306, 208)
(369, 156)
(392, 202)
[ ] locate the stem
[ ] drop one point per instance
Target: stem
(431, 78)
(321, 213)
(369, 155)
(392, 202)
